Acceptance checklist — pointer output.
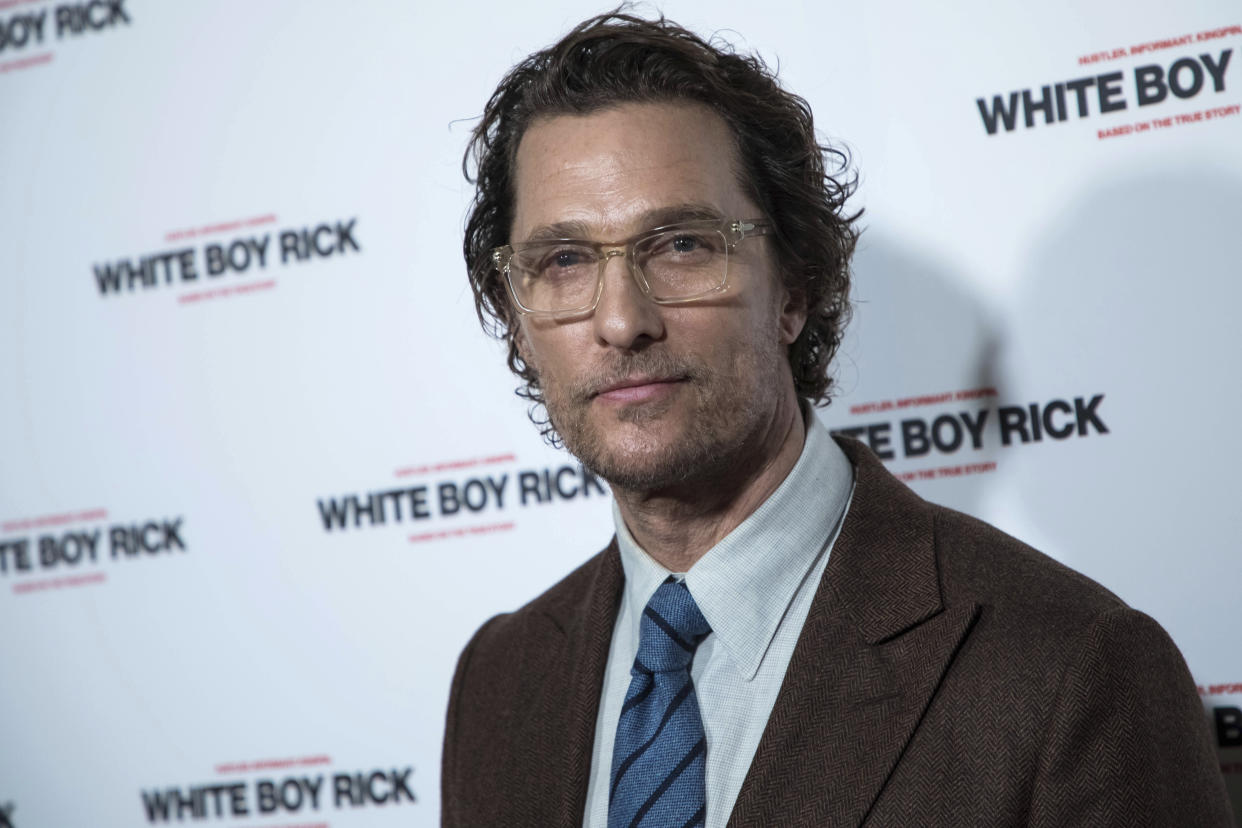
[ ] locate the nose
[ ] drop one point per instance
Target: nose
(624, 317)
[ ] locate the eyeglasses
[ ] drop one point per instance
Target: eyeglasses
(681, 262)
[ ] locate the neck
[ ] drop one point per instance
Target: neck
(678, 528)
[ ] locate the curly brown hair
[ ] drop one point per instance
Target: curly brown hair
(616, 58)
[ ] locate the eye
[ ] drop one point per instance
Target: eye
(568, 257)
(559, 261)
(685, 244)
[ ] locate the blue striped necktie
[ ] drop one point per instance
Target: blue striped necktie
(660, 750)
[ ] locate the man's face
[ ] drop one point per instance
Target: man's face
(651, 396)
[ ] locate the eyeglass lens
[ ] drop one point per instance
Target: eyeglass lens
(678, 263)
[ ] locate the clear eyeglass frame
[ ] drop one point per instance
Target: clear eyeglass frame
(733, 231)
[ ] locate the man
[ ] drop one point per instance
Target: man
(780, 633)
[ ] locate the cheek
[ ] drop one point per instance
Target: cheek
(770, 325)
(546, 351)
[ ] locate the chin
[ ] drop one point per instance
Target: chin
(645, 465)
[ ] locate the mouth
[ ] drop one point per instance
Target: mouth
(637, 389)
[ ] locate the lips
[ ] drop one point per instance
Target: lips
(636, 388)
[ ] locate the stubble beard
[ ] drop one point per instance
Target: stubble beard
(728, 412)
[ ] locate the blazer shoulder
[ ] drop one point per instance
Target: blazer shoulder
(973, 561)
(514, 645)
(559, 606)
(982, 563)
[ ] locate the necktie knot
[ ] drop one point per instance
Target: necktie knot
(671, 628)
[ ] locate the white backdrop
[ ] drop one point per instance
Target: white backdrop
(261, 475)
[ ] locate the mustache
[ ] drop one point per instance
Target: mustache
(617, 368)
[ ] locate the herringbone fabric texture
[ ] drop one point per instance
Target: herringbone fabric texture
(659, 754)
(947, 675)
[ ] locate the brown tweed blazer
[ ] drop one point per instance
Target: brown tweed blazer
(947, 675)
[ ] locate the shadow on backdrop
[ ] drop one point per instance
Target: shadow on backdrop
(917, 330)
(1134, 291)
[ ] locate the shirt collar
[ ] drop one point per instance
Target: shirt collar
(745, 583)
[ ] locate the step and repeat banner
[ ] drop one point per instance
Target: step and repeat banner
(262, 475)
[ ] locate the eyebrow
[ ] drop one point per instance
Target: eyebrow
(658, 217)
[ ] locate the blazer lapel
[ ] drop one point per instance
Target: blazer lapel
(586, 622)
(872, 653)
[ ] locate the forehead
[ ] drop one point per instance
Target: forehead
(610, 172)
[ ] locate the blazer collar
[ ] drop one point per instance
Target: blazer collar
(585, 620)
(874, 648)
(883, 576)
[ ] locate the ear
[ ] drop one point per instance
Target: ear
(518, 336)
(792, 317)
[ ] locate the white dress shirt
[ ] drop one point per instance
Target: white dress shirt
(755, 589)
